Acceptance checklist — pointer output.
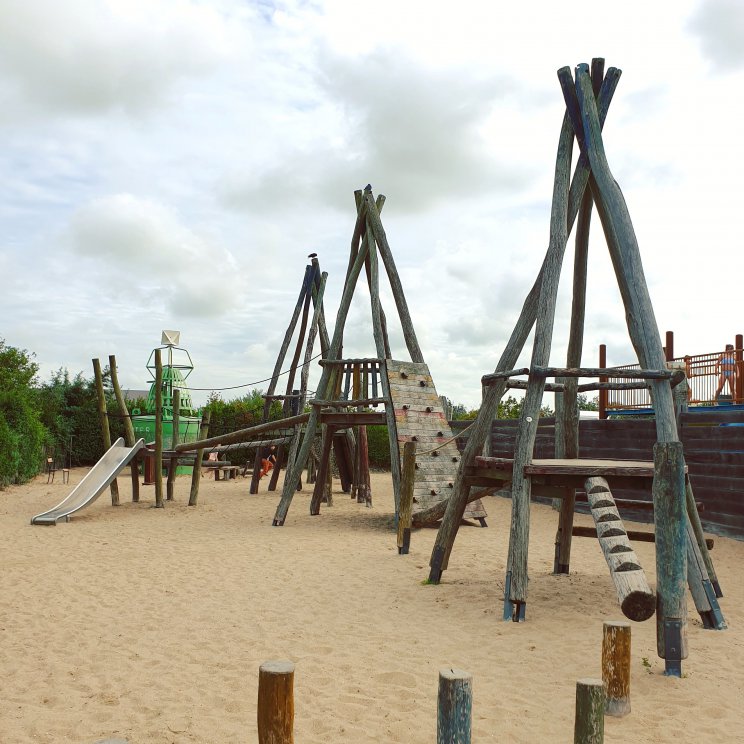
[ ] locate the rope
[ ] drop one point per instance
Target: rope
(449, 441)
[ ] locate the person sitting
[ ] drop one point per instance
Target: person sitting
(726, 369)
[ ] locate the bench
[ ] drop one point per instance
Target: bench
(228, 472)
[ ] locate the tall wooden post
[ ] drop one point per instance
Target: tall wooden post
(275, 709)
(196, 472)
(103, 417)
(128, 427)
(406, 497)
(671, 555)
(158, 430)
(173, 462)
(603, 393)
(669, 346)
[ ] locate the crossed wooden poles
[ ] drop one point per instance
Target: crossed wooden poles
(587, 98)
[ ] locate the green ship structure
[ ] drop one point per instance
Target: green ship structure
(177, 366)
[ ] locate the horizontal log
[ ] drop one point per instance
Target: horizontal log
(641, 374)
(494, 377)
(582, 531)
(243, 434)
(612, 386)
(338, 418)
(337, 362)
(338, 403)
(435, 512)
(550, 387)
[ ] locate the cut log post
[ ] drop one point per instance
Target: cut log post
(671, 555)
(636, 598)
(406, 497)
(324, 469)
(103, 418)
(173, 464)
(590, 704)
(275, 711)
(364, 486)
(454, 706)
(196, 472)
(128, 427)
(616, 667)
(158, 430)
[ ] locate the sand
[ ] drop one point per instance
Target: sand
(150, 625)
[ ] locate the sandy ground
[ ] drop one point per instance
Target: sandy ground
(150, 625)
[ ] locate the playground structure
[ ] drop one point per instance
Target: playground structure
(677, 528)
(413, 410)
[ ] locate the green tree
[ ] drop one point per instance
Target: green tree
(587, 405)
(22, 435)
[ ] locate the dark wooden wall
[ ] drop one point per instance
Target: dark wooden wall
(714, 451)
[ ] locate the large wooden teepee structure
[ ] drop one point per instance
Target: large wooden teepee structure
(681, 552)
(349, 388)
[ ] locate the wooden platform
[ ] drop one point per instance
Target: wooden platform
(419, 417)
(552, 475)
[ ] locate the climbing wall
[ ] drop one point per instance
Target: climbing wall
(419, 417)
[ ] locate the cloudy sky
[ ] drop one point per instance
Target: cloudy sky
(171, 163)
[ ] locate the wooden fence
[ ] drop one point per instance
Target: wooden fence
(714, 451)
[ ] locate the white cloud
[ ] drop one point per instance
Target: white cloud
(719, 26)
(148, 247)
(85, 56)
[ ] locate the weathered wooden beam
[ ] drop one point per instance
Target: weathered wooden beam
(503, 375)
(103, 418)
(641, 374)
(590, 709)
(408, 476)
(241, 435)
(515, 594)
(671, 555)
(128, 427)
(196, 472)
(373, 220)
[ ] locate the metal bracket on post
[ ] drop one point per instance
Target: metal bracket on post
(513, 611)
(673, 648)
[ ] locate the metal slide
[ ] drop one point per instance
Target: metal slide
(93, 484)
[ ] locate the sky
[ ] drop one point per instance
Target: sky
(169, 164)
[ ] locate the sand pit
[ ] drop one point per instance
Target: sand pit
(150, 625)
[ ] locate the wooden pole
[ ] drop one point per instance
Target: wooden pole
(128, 427)
(603, 394)
(671, 555)
(158, 430)
(482, 427)
(739, 356)
(275, 710)
(697, 527)
(616, 667)
(590, 704)
(295, 470)
(669, 346)
(364, 487)
(196, 472)
(515, 594)
(105, 430)
(454, 706)
(406, 497)
(373, 220)
(173, 463)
